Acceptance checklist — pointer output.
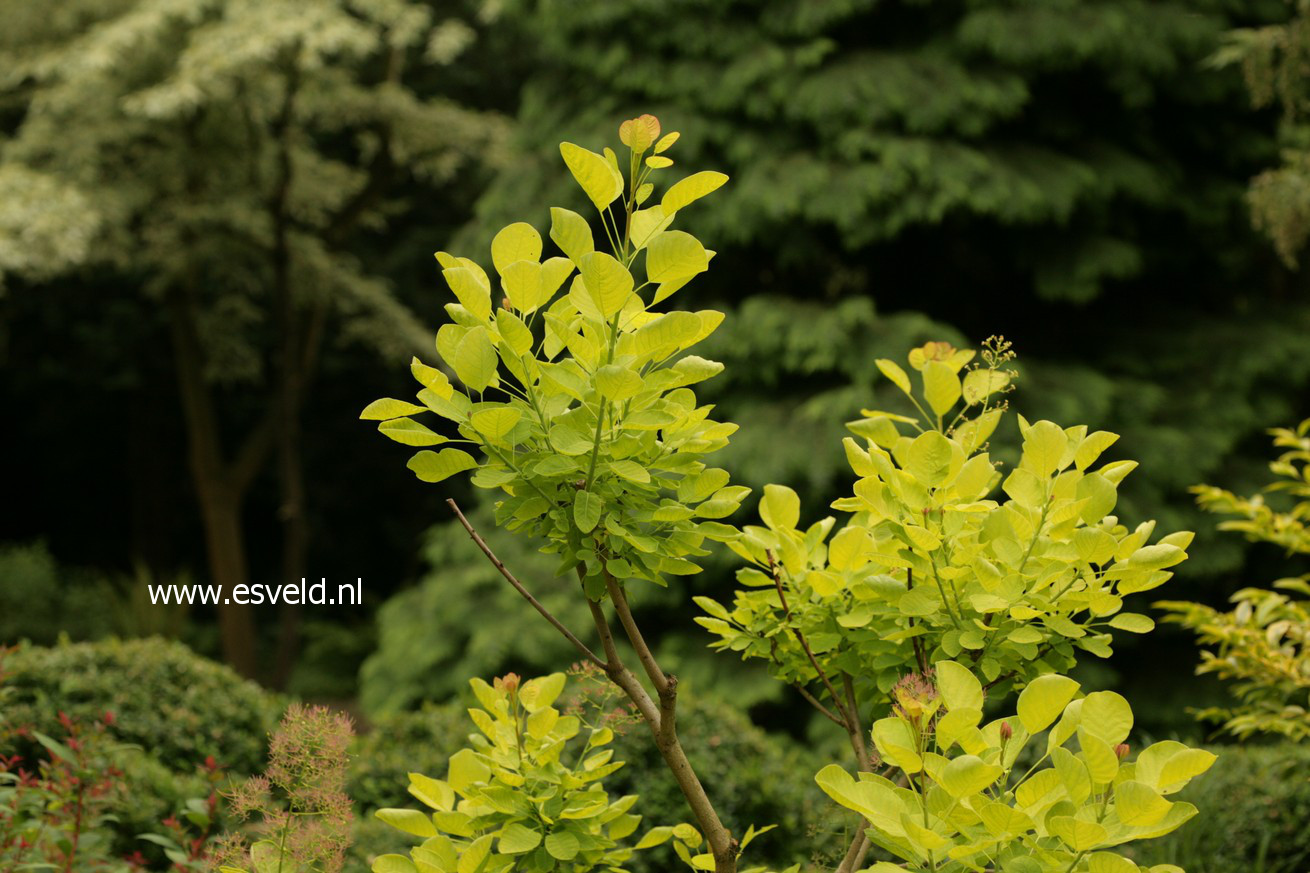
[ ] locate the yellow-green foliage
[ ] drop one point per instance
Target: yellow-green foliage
(578, 408)
(963, 802)
(527, 795)
(1261, 645)
(944, 554)
(577, 402)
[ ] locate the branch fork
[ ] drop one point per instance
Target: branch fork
(659, 713)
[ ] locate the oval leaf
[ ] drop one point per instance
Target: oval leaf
(1043, 701)
(586, 511)
(609, 284)
(434, 466)
(692, 188)
(516, 242)
(601, 182)
(675, 255)
(409, 432)
(387, 408)
(411, 821)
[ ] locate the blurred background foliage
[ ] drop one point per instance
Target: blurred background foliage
(217, 220)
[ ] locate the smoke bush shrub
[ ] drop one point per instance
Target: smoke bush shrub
(949, 580)
(301, 813)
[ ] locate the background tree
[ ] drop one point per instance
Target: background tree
(228, 155)
(1273, 59)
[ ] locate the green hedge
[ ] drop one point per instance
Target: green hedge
(1254, 815)
(176, 705)
(172, 709)
(754, 778)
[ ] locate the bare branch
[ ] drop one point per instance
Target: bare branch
(817, 704)
(621, 675)
(518, 586)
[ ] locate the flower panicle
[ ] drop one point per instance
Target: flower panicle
(300, 801)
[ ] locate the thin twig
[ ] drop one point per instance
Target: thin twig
(920, 658)
(856, 728)
(817, 704)
(518, 586)
(800, 638)
(800, 689)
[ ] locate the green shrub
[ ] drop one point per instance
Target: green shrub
(141, 790)
(1254, 808)
(179, 707)
(600, 454)
(761, 779)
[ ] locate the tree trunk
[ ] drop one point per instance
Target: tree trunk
(220, 487)
(225, 543)
(290, 367)
(295, 524)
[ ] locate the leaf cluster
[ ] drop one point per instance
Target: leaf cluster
(577, 401)
(526, 795)
(943, 555)
(965, 802)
